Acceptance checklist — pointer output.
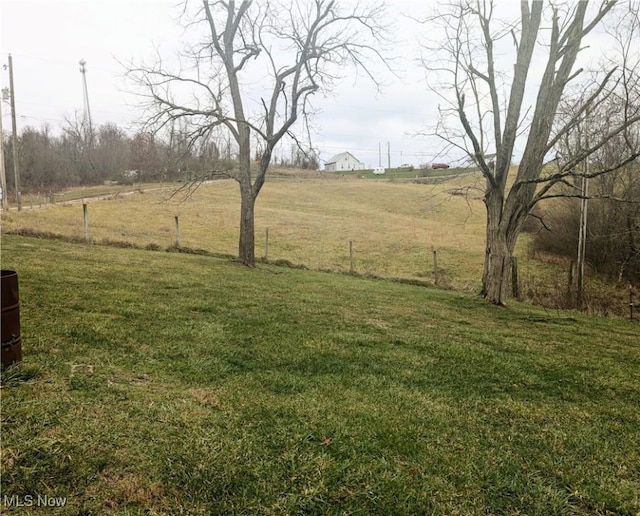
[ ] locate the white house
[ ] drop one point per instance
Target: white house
(343, 161)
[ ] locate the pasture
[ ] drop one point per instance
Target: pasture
(163, 383)
(394, 226)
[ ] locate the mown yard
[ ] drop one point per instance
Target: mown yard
(164, 383)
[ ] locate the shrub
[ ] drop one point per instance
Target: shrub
(613, 226)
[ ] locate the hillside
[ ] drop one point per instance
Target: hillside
(172, 383)
(394, 227)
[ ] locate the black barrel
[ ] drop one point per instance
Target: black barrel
(10, 307)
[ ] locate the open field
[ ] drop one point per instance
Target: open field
(158, 383)
(394, 226)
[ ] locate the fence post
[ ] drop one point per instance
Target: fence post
(572, 266)
(435, 266)
(85, 213)
(177, 231)
(351, 268)
(266, 245)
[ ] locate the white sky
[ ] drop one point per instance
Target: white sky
(47, 38)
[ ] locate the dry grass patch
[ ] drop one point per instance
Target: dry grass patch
(394, 226)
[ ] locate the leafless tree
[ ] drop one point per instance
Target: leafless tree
(290, 49)
(487, 104)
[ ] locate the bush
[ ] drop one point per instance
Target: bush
(613, 226)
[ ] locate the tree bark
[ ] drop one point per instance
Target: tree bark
(246, 243)
(491, 280)
(504, 222)
(246, 247)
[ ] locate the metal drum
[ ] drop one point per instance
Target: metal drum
(10, 306)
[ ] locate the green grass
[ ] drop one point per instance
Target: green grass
(162, 383)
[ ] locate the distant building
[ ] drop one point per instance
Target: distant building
(343, 161)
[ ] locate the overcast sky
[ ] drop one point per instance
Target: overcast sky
(47, 39)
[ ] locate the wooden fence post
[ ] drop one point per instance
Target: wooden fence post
(177, 231)
(435, 266)
(572, 267)
(85, 213)
(266, 245)
(351, 267)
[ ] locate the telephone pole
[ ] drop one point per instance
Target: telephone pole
(15, 135)
(582, 232)
(3, 175)
(389, 155)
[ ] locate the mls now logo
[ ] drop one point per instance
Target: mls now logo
(34, 501)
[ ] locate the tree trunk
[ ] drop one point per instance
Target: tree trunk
(493, 204)
(246, 244)
(501, 238)
(246, 250)
(497, 269)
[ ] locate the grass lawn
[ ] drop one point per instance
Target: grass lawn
(161, 383)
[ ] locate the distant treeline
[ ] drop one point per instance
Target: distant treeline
(76, 156)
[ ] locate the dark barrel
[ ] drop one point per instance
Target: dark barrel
(10, 307)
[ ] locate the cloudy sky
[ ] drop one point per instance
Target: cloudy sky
(47, 39)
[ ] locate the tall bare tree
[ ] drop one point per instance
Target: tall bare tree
(487, 102)
(291, 49)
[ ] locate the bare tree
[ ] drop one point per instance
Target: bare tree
(488, 104)
(291, 49)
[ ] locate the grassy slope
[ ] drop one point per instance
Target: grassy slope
(189, 384)
(394, 226)
(311, 216)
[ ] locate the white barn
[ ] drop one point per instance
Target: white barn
(343, 161)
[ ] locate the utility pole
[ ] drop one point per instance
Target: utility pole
(87, 109)
(379, 155)
(15, 135)
(3, 175)
(582, 231)
(389, 154)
